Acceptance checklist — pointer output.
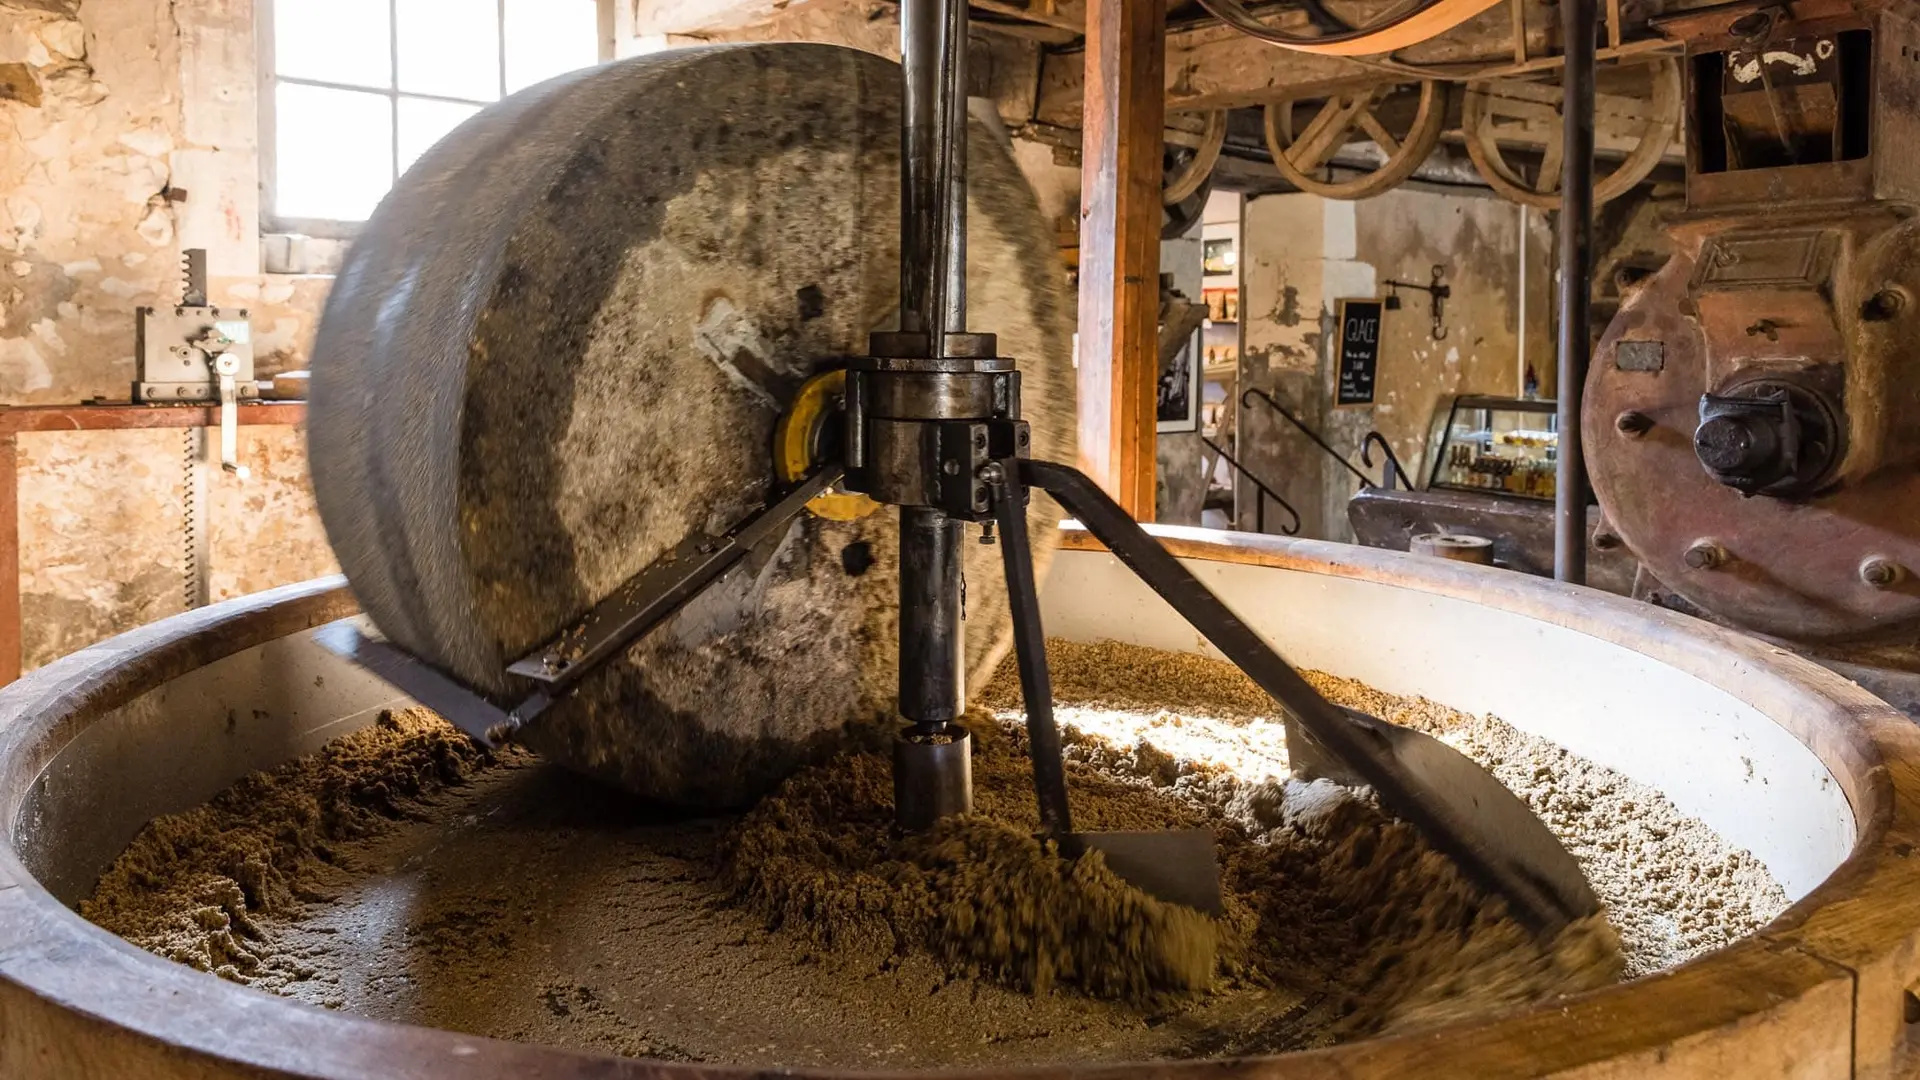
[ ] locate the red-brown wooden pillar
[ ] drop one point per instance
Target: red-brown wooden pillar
(1120, 146)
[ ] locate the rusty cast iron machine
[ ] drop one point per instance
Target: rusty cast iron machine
(1752, 413)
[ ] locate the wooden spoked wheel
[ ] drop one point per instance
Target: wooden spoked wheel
(1303, 156)
(1186, 179)
(1529, 110)
(1194, 165)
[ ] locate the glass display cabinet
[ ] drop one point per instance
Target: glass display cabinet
(1497, 446)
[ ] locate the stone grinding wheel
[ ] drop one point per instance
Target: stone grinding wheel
(560, 347)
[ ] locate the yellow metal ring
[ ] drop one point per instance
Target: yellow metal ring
(796, 436)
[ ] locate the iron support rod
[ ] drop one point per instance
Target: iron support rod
(932, 667)
(1030, 653)
(1575, 241)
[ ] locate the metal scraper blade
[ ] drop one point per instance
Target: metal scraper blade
(1179, 866)
(1463, 811)
(1438, 785)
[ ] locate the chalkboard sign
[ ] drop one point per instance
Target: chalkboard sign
(1358, 357)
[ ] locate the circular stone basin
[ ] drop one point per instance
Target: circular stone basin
(1811, 774)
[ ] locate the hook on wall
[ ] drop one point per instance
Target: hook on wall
(1437, 292)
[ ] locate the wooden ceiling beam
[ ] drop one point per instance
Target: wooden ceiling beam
(1213, 66)
(1060, 14)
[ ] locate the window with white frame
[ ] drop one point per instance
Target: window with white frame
(358, 89)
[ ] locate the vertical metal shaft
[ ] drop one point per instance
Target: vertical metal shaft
(933, 298)
(932, 666)
(953, 251)
(1575, 237)
(931, 777)
(933, 168)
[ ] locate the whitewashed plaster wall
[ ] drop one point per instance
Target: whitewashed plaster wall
(1301, 255)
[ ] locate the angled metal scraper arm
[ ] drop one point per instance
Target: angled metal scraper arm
(1461, 809)
(1181, 866)
(643, 602)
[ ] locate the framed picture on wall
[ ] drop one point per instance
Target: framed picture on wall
(1178, 402)
(1217, 256)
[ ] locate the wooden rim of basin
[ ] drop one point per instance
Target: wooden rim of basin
(1821, 991)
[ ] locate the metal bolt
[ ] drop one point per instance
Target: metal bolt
(986, 532)
(1884, 305)
(992, 472)
(1705, 555)
(950, 467)
(1881, 572)
(1633, 423)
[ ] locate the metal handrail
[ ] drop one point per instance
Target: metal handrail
(1260, 505)
(1254, 391)
(1388, 468)
(1393, 463)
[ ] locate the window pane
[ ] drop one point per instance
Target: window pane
(342, 41)
(423, 122)
(450, 48)
(550, 37)
(333, 152)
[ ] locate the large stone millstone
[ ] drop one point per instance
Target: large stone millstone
(560, 346)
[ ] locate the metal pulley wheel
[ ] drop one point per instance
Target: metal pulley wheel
(1303, 151)
(564, 344)
(1502, 109)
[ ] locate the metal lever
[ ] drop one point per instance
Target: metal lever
(225, 367)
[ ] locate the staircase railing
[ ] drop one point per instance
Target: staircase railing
(1390, 468)
(1260, 505)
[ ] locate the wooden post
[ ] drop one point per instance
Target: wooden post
(1120, 147)
(10, 629)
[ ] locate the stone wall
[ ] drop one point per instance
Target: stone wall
(1302, 254)
(128, 132)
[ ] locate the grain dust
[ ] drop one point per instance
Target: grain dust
(404, 875)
